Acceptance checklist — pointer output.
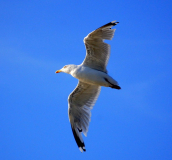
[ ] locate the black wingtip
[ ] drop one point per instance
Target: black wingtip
(82, 149)
(114, 23)
(110, 23)
(80, 144)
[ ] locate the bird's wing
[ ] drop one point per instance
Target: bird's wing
(98, 52)
(80, 103)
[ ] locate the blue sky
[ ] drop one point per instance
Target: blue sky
(39, 37)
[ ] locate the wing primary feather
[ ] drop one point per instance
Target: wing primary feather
(113, 23)
(97, 51)
(79, 110)
(78, 138)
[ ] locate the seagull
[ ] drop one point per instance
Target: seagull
(91, 75)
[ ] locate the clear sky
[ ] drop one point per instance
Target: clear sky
(39, 37)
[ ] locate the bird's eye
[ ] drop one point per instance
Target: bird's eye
(64, 66)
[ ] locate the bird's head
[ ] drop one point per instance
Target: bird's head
(66, 69)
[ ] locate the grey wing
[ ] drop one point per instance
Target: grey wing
(80, 103)
(98, 52)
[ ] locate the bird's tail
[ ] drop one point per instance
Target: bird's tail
(112, 85)
(115, 86)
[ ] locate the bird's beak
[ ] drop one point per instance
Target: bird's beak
(58, 71)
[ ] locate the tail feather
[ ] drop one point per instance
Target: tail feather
(116, 86)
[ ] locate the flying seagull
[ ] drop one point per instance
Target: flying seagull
(92, 74)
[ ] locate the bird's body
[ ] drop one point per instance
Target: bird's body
(92, 74)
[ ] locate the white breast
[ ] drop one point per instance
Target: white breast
(89, 75)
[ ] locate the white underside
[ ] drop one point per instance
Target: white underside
(92, 76)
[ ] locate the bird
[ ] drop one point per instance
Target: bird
(92, 75)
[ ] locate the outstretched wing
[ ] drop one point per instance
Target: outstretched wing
(98, 52)
(80, 103)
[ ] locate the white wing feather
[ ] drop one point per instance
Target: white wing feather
(98, 52)
(80, 103)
